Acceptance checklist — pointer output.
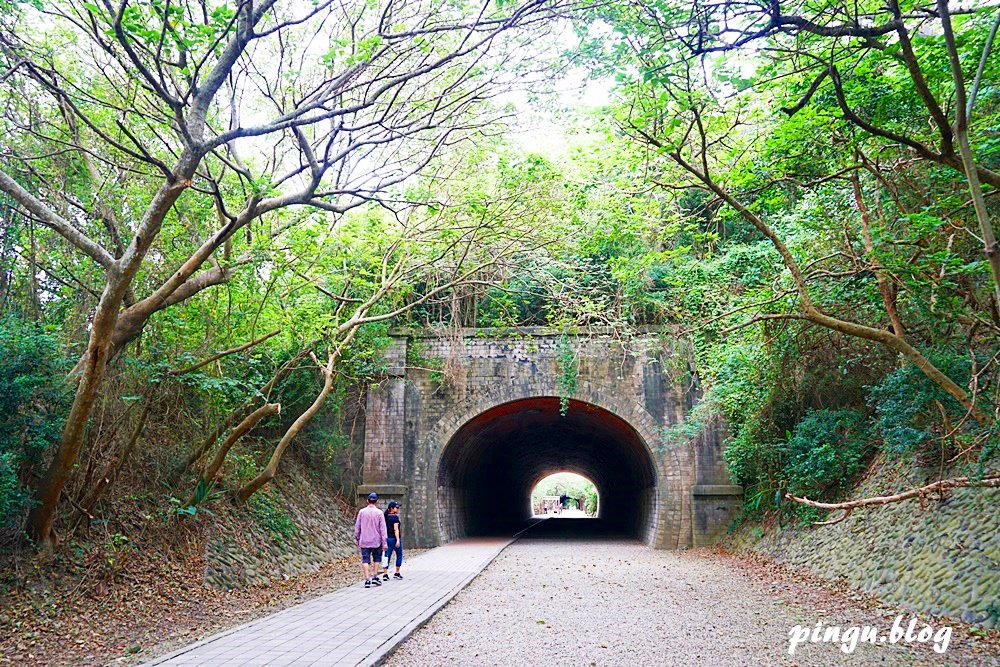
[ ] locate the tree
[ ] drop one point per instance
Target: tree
(693, 114)
(126, 123)
(832, 50)
(442, 250)
(821, 143)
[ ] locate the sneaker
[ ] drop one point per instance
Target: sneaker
(376, 582)
(395, 576)
(368, 584)
(385, 577)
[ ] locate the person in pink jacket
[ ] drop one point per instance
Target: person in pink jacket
(370, 535)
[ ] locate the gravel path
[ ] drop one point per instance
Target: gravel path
(557, 601)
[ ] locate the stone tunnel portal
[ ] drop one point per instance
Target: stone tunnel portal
(493, 461)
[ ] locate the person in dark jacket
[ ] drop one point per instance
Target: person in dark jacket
(394, 541)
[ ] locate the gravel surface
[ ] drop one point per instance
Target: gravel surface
(562, 601)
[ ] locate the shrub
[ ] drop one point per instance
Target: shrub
(908, 405)
(33, 399)
(826, 452)
(12, 496)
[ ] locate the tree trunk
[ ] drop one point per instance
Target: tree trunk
(900, 346)
(990, 247)
(813, 314)
(239, 413)
(271, 469)
(43, 515)
(991, 482)
(213, 468)
(348, 330)
(884, 288)
(95, 359)
(961, 131)
(34, 304)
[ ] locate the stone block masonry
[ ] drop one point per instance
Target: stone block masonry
(461, 433)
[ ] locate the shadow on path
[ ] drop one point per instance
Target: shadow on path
(558, 528)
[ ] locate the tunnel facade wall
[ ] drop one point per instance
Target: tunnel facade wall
(443, 389)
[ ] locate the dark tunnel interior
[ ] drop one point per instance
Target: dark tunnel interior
(492, 463)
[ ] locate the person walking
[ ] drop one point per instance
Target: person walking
(370, 535)
(395, 540)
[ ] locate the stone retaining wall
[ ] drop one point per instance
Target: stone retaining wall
(242, 552)
(942, 558)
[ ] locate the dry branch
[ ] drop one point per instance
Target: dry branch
(849, 506)
(115, 465)
(224, 353)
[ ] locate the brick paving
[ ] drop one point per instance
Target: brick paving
(351, 626)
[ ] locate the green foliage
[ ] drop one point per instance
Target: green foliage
(242, 467)
(569, 484)
(568, 362)
(117, 550)
(363, 361)
(267, 507)
(33, 403)
(820, 459)
(826, 452)
(797, 410)
(416, 358)
(521, 301)
(611, 231)
(695, 422)
(909, 409)
(204, 493)
(12, 495)
(808, 407)
(905, 410)
(326, 446)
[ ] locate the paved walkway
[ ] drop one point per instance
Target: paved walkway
(351, 626)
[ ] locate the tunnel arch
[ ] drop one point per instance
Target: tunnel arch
(495, 454)
(651, 384)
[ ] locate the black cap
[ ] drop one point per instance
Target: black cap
(372, 497)
(393, 503)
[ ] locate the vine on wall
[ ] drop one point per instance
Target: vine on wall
(568, 361)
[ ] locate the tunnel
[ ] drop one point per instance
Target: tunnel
(493, 461)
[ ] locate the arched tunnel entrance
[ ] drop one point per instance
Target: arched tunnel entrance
(491, 464)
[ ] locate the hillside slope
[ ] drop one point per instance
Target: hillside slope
(172, 581)
(940, 556)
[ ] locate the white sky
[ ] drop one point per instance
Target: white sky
(539, 129)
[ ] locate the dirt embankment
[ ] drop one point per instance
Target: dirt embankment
(107, 598)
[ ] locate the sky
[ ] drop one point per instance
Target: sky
(540, 129)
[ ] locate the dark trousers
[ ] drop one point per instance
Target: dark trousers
(397, 547)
